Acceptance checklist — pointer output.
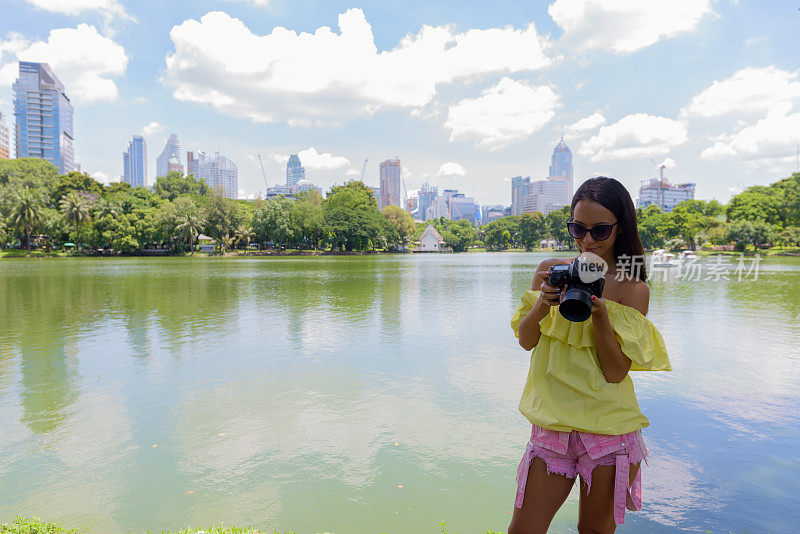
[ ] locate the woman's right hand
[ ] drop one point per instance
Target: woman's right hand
(550, 295)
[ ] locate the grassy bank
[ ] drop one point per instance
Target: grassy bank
(35, 525)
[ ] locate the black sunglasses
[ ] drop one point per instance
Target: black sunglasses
(600, 232)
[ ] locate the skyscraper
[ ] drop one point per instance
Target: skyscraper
(391, 195)
(172, 149)
(519, 190)
(426, 195)
(561, 167)
(43, 117)
(192, 163)
(134, 162)
(5, 148)
(294, 171)
(220, 173)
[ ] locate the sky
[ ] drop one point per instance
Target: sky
(466, 95)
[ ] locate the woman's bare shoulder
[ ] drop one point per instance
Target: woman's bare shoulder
(636, 294)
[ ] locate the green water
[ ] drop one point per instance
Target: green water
(301, 393)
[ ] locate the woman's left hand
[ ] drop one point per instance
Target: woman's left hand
(599, 309)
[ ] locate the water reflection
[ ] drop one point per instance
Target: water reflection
(301, 393)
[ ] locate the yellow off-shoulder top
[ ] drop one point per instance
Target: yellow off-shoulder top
(566, 389)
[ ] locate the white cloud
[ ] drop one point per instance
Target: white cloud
(151, 128)
(750, 90)
(638, 135)
(328, 76)
(624, 25)
(311, 159)
(451, 169)
(505, 113)
(668, 163)
(774, 137)
(109, 8)
(587, 123)
(103, 178)
(82, 59)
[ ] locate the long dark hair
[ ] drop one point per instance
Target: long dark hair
(613, 196)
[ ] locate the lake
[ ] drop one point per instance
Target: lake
(365, 394)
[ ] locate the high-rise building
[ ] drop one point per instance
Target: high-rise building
(172, 149)
(492, 213)
(660, 192)
(561, 167)
(192, 163)
(376, 194)
(134, 162)
(43, 117)
(460, 206)
(174, 165)
(294, 171)
(5, 147)
(545, 196)
(519, 190)
(220, 173)
(437, 209)
(426, 195)
(391, 194)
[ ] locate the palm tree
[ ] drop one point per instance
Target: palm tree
(75, 210)
(189, 224)
(106, 207)
(242, 234)
(25, 213)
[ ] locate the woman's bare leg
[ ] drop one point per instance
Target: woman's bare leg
(544, 495)
(596, 508)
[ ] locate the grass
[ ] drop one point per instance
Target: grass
(35, 525)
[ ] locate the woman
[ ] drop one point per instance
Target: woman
(579, 397)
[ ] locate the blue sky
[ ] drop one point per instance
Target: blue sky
(467, 95)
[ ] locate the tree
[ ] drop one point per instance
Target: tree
(352, 219)
(186, 222)
(221, 217)
(306, 218)
(459, 235)
(531, 229)
(78, 182)
(496, 235)
(757, 203)
(75, 210)
(25, 214)
(401, 221)
(556, 222)
(35, 173)
(175, 184)
(106, 207)
(272, 222)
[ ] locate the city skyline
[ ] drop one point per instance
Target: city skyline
(702, 88)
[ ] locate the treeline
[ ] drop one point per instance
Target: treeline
(40, 208)
(760, 216)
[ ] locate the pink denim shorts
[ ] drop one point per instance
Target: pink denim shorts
(573, 453)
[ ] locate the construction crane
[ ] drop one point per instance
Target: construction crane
(264, 174)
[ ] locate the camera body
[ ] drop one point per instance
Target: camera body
(576, 303)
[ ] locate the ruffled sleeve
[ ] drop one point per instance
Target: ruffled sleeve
(638, 338)
(529, 298)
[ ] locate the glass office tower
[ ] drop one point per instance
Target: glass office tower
(43, 117)
(134, 162)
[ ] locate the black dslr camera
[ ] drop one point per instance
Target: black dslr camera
(576, 304)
